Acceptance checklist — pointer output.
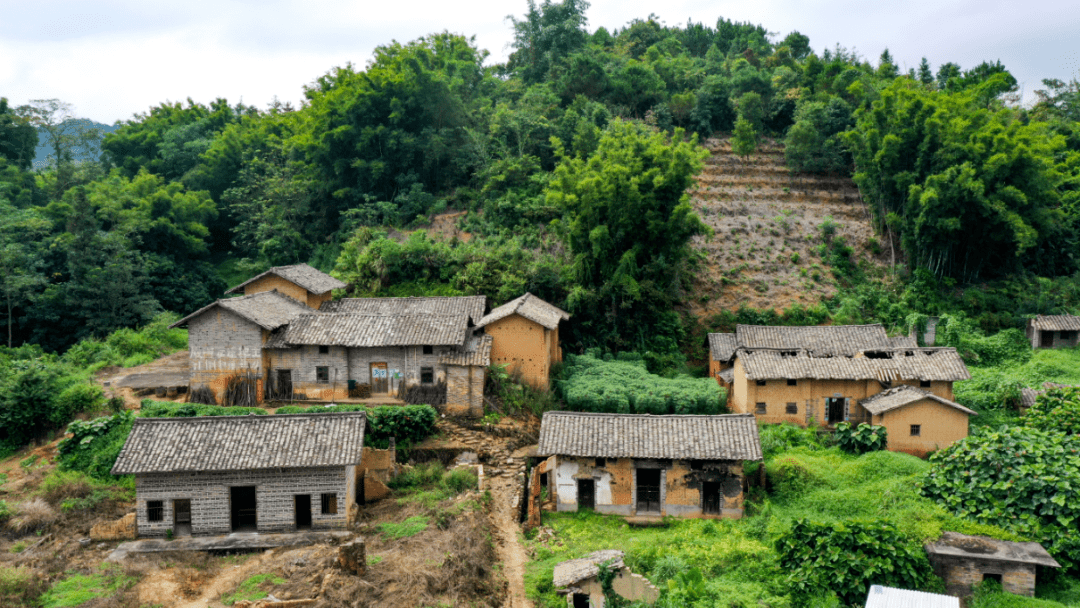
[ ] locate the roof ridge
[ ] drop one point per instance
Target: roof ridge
(656, 416)
(249, 417)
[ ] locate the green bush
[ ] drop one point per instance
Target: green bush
(95, 444)
(77, 398)
(127, 347)
(19, 586)
(861, 439)
(169, 409)
(407, 425)
(1056, 410)
(847, 558)
(590, 384)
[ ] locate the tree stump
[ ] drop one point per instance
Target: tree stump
(352, 557)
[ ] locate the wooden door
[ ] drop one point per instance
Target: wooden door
(648, 491)
(710, 497)
(379, 378)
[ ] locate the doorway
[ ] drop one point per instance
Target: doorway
(586, 494)
(302, 509)
(710, 497)
(182, 517)
(361, 492)
(379, 379)
(581, 600)
(284, 384)
(243, 509)
(648, 491)
(835, 408)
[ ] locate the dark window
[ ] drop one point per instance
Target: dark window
(429, 350)
(792, 382)
(322, 374)
(792, 408)
(924, 383)
(329, 504)
(761, 383)
(155, 510)
(916, 430)
(760, 408)
(1068, 335)
(601, 462)
(427, 375)
(324, 350)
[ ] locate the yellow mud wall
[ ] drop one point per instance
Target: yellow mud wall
(940, 427)
(937, 387)
(777, 394)
(316, 300)
(522, 345)
(272, 282)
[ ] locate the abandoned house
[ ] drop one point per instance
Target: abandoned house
(642, 465)
(223, 474)
(917, 421)
(287, 340)
(526, 337)
(1054, 331)
(962, 561)
(891, 597)
(578, 580)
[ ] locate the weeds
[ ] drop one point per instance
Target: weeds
(405, 529)
(78, 589)
(32, 515)
(19, 586)
(254, 588)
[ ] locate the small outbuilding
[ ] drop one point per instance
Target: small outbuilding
(890, 597)
(578, 580)
(963, 561)
(1054, 331)
(526, 337)
(223, 474)
(917, 421)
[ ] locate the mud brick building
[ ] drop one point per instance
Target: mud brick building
(216, 475)
(643, 465)
(578, 580)
(1054, 331)
(962, 561)
(526, 337)
(300, 282)
(917, 421)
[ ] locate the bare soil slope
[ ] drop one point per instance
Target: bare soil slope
(767, 230)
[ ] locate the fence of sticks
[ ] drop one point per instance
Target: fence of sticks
(242, 389)
(431, 394)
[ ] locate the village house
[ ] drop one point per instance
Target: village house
(526, 337)
(579, 580)
(917, 421)
(300, 282)
(963, 561)
(643, 466)
(222, 474)
(1054, 331)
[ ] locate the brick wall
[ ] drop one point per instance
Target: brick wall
(525, 346)
(210, 498)
(221, 343)
(960, 574)
(465, 390)
(355, 364)
(939, 427)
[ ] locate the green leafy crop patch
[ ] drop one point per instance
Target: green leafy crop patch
(77, 589)
(405, 529)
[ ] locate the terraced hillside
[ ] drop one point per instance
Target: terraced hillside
(768, 229)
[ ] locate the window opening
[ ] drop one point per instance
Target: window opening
(322, 374)
(429, 350)
(792, 382)
(324, 350)
(916, 430)
(601, 462)
(155, 510)
(427, 375)
(924, 383)
(792, 408)
(760, 382)
(329, 504)
(760, 408)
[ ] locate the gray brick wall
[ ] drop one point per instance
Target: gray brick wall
(221, 340)
(209, 495)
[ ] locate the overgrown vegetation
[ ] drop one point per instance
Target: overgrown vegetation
(253, 588)
(862, 438)
(78, 589)
(624, 385)
(407, 425)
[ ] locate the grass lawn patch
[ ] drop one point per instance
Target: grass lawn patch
(254, 588)
(405, 529)
(78, 589)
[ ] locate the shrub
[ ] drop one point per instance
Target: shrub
(407, 424)
(65, 484)
(5, 511)
(19, 586)
(846, 558)
(74, 399)
(1056, 410)
(861, 439)
(32, 515)
(169, 409)
(95, 444)
(625, 386)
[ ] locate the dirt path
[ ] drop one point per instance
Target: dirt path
(504, 520)
(162, 588)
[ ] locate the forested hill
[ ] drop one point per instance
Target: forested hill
(573, 162)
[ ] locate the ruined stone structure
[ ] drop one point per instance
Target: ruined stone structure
(578, 580)
(890, 597)
(643, 465)
(222, 474)
(962, 561)
(829, 375)
(526, 337)
(1054, 331)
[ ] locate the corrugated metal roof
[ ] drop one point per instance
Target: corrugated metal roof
(476, 351)
(722, 346)
(471, 306)
(530, 307)
(889, 597)
(727, 437)
(897, 397)
(311, 279)
(576, 570)
(362, 330)
(268, 309)
(908, 364)
(823, 340)
(1056, 323)
(234, 443)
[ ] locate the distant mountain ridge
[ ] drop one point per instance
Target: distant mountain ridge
(41, 153)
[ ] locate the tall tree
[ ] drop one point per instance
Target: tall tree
(546, 37)
(65, 134)
(18, 139)
(20, 265)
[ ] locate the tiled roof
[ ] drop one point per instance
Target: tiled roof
(903, 342)
(830, 340)
(900, 396)
(1056, 323)
(311, 279)
(530, 307)
(235, 443)
(476, 351)
(954, 544)
(363, 330)
(889, 597)
(268, 309)
(722, 346)
(472, 306)
(1029, 395)
(922, 364)
(728, 437)
(576, 570)
(727, 375)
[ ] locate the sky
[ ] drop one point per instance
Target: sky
(113, 59)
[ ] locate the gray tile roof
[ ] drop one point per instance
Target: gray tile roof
(471, 306)
(311, 279)
(1028, 396)
(235, 443)
(954, 544)
(576, 570)
(727, 375)
(1056, 323)
(922, 364)
(903, 342)
(898, 397)
(818, 340)
(363, 330)
(889, 597)
(476, 351)
(722, 346)
(530, 307)
(269, 309)
(728, 437)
